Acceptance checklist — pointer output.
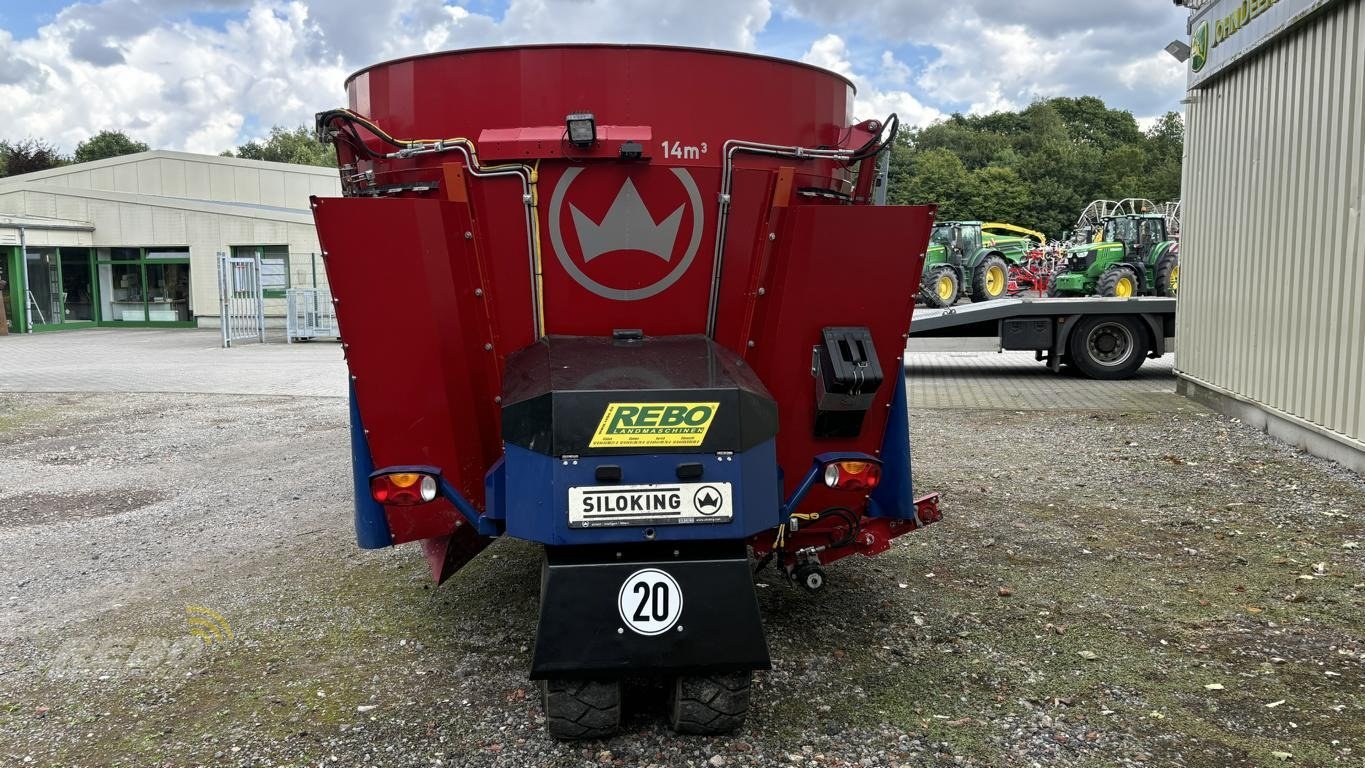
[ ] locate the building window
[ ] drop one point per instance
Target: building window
(143, 285)
(274, 266)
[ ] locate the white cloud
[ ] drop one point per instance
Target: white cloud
(991, 55)
(141, 67)
(871, 101)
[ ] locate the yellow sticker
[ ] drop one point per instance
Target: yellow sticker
(653, 425)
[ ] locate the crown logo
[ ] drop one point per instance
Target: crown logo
(628, 225)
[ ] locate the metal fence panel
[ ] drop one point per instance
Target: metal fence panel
(242, 310)
(310, 314)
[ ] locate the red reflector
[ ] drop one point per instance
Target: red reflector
(403, 489)
(853, 475)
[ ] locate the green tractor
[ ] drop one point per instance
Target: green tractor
(1134, 256)
(965, 260)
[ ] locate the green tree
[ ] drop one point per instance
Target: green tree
(285, 146)
(107, 144)
(1038, 167)
(1089, 121)
(997, 194)
(938, 177)
(1165, 144)
(28, 156)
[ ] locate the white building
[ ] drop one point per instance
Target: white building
(133, 240)
(1272, 321)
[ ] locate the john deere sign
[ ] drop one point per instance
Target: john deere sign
(1199, 46)
(1223, 32)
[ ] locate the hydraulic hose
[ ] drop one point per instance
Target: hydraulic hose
(406, 148)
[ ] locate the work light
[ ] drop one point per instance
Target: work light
(582, 129)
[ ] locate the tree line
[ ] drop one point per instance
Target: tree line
(1038, 167)
(282, 146)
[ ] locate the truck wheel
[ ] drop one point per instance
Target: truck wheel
(1111, 347)
(581, 709)
(990, 280)
(941, 288)
(1168, 275)
(1118, 282)
(709, 704)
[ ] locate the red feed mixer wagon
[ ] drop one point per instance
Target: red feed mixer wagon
(633, 303)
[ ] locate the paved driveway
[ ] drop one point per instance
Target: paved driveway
(943, 373)
(179, 360)
(969, 373)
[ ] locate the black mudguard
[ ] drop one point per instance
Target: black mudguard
(582, 632)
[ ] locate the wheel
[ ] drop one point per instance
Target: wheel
(991, 279)
(709, 704)
(1117, 281)
(1168, 275)
(1052, 291)
(941, 287)
(810, 576)
(581, 709)
(1111, 347)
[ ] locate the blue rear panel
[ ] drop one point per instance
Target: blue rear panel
(535, 494)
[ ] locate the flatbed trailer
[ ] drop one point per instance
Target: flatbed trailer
(1103, 338)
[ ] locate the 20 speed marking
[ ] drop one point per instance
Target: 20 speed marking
(650, 602)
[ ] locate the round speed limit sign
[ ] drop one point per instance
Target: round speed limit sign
(650, 602)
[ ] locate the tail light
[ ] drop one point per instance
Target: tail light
(853, 475)
(403, 489)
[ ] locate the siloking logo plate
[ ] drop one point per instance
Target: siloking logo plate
(654, 425)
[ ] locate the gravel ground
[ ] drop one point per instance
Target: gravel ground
(1107, 589)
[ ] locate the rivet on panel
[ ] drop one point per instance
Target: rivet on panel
(752, 344)
(469, 235)
(497, 399)
(772, 235)
(488, 347)
(762, 291)
(478, 291)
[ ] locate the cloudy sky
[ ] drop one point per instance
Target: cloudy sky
(206, 75)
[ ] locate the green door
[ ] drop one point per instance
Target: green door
(12, 289)
(59, 288)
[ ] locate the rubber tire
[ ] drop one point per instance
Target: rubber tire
(979, 279)
(1052, 291)
(709, 704)
(810, 577)
(1079, 355)
(581, 709)
(1163, 271)
(927, 288)
(1105, 286)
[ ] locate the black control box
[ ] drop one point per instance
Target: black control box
(847, 376)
